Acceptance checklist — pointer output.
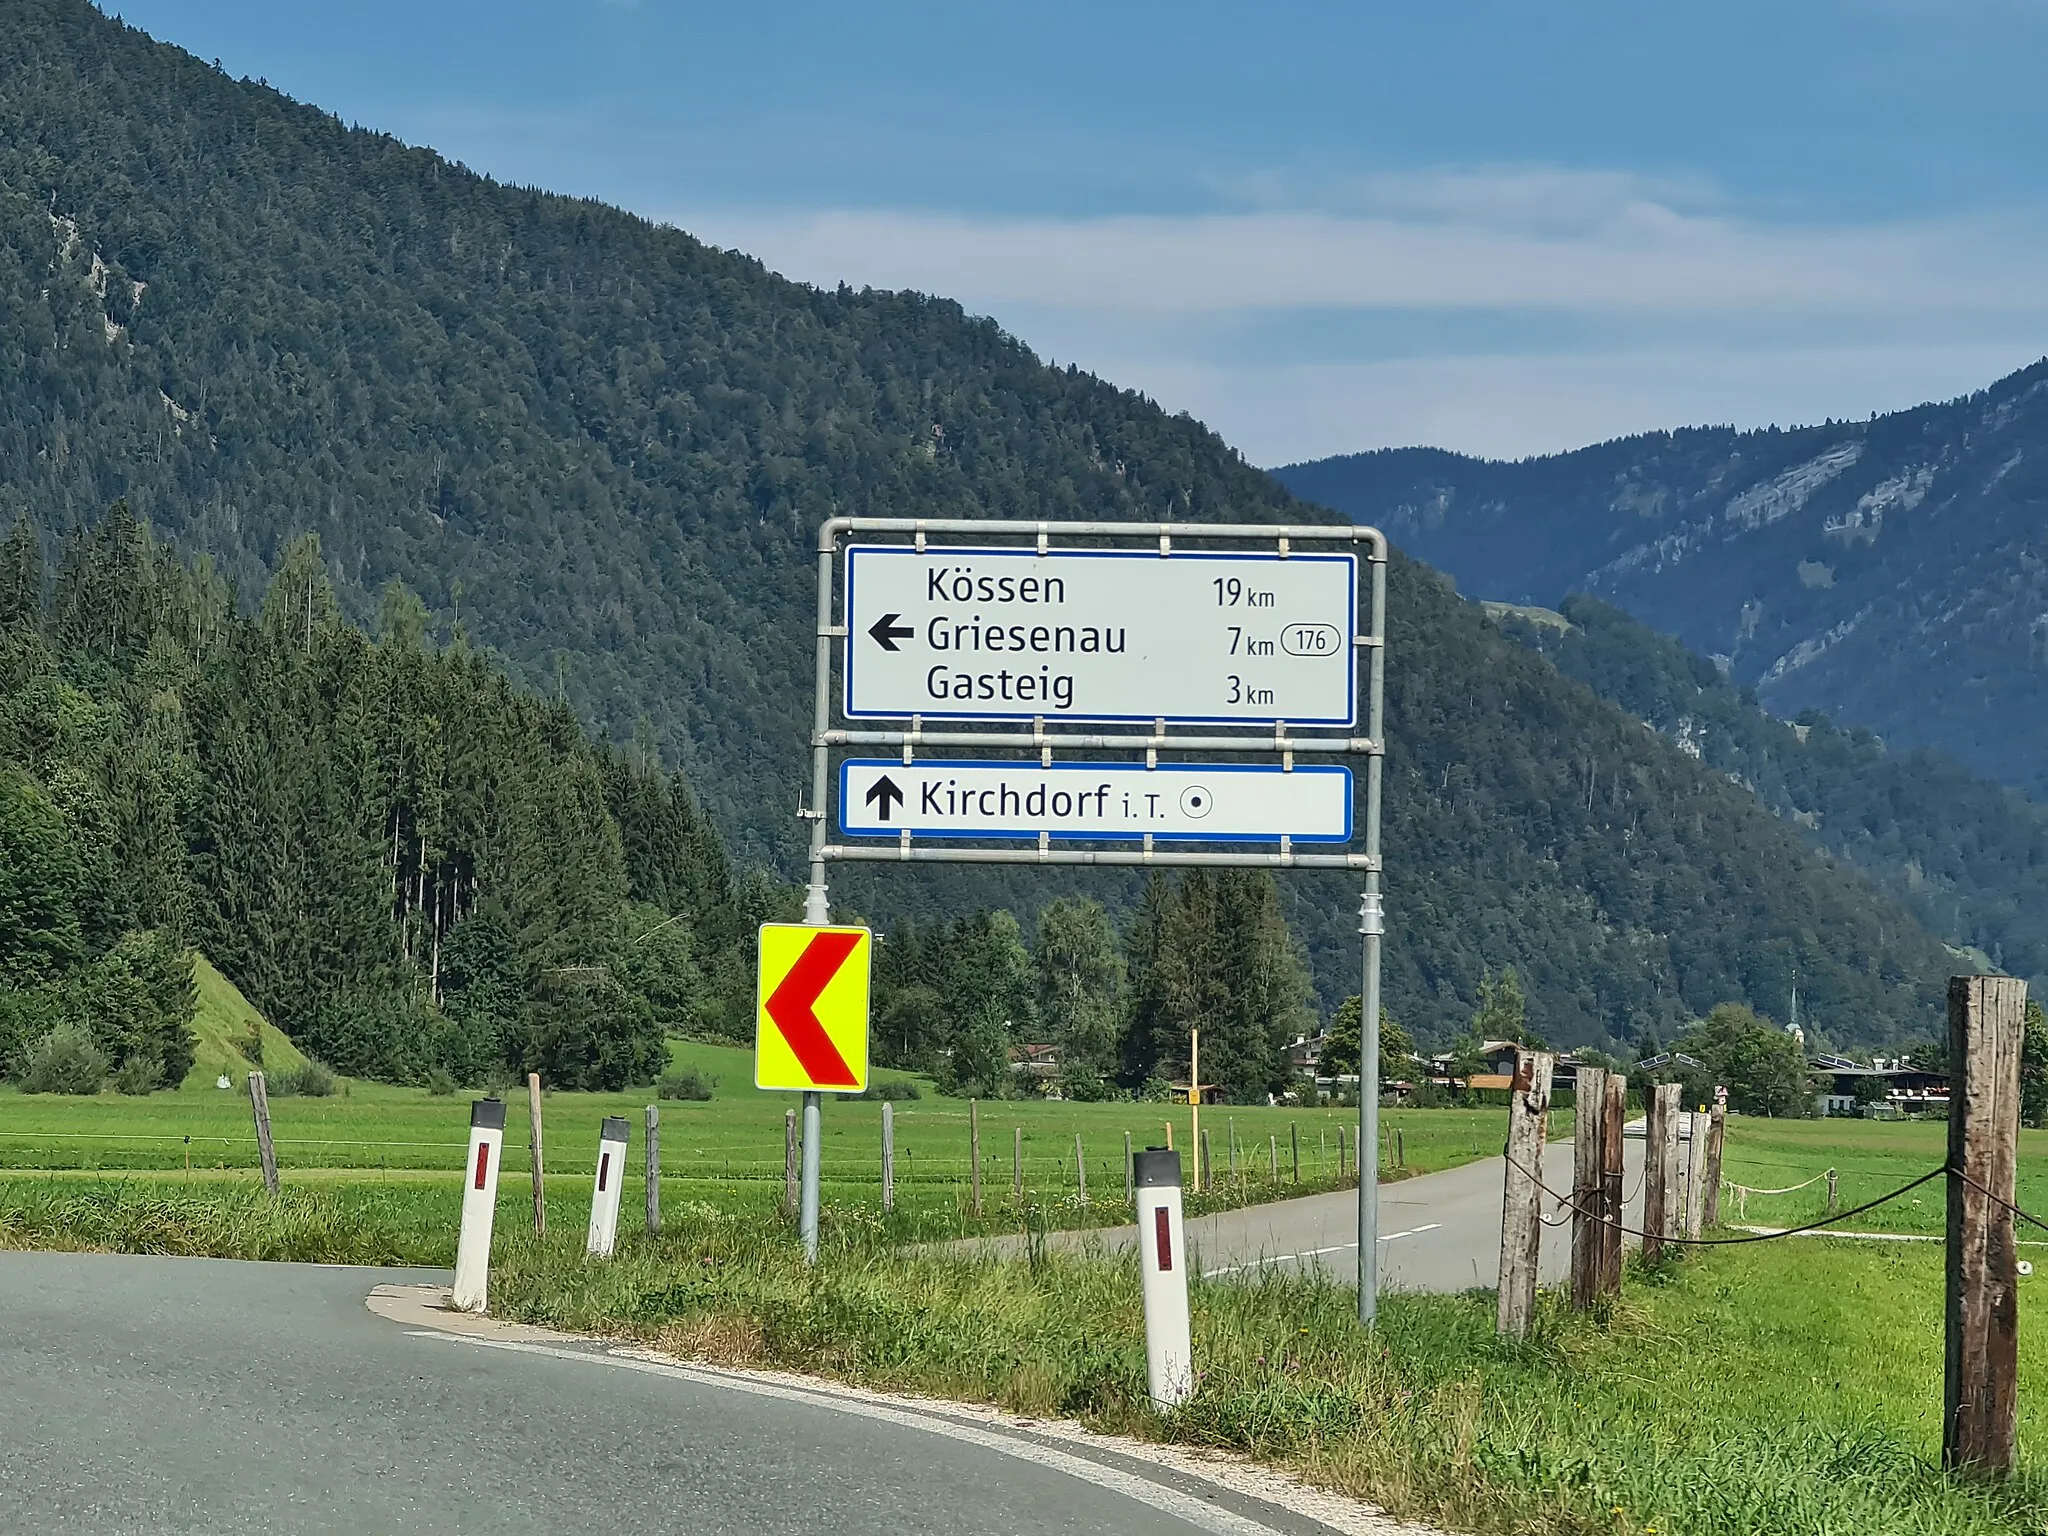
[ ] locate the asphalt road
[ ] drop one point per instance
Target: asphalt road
(1438, 1232)
(192, 1395)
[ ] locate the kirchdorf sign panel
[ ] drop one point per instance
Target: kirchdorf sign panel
(1122, 802)
(1099, 635)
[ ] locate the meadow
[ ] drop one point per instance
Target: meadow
(407, 1145)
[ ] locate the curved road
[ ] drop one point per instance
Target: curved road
(194, 1395)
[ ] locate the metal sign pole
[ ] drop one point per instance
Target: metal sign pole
(1371, 924)
(817, 910)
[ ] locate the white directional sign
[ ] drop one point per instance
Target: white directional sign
(1198, 802)
(1080, 634)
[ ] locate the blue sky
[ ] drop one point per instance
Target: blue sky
(1502, 227)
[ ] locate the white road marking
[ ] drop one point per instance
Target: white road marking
(1194, 1511)
(1314, 1253)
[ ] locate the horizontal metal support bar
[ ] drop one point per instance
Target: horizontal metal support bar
(1159, 856)
(1326, 533)
(1026, 741)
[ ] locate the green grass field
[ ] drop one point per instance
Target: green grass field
(727, 1152)
(1871, 1158)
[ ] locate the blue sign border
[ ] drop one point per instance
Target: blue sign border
(847, 655)
(1312, 770)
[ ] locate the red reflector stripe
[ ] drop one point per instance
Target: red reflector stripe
(483, 1162)
(1164, 1233)
(604, 1166)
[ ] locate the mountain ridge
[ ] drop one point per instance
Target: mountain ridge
(602, 448)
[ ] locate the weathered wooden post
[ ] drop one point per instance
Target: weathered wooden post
(1695, 1174)
(1717, 1132)
(533, 1144)
(1273, 1156)
(1129, 1167)
(1080, 1172)
(653, 1169)
(1834, 1203)
(1521, 1218)
(1661, 1194)
(1587, 1193)
(1017, 1165)
(1613, 1165)
(1208, 1167)
(266, 1149)
(790, 1191)
(1340, 1152)
(1980, 1374)
(1401, 1148)
(888, 1156)
(974, 1150)
(1294, 1148)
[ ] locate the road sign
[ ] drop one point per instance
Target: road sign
(811, 1013)
(1182, 802)
(1100, 634)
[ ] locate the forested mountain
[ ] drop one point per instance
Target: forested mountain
(1969, 856)
(1892, 573)
(602, 449)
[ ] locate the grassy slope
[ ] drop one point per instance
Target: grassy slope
(222, 1027)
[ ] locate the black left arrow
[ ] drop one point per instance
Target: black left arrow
(886, 632)
(884, 789)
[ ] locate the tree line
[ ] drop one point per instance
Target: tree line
(409, 864)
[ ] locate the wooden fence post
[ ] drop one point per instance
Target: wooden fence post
(533, 1144)
(1273, 1156)
(789, 1168)
(1717, 1132)
(1340, 1151)
(888, 1156)
(653, 1168)
(1130, 1168)
(1695, 1173)
(1661, 1194)
(266, 1149)
(1613, 1166)
(1521, 1218)
(1401, 1148)
(1208, 1167)
(1587, 1195)
(1017, 1164)
(1294, 1148)
(1980, 1368)
(1834, 1201)
(974, 1149)
(1080, 1172)
(1230, 1133)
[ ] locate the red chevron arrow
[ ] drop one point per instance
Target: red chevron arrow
(790, 1006)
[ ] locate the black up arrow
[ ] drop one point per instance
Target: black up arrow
(884, 789)
(886, 632)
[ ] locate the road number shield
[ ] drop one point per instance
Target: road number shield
(811, 1008)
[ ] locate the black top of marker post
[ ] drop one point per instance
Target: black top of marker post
(614, 1129)
(487, 1115)
(1155, 1168)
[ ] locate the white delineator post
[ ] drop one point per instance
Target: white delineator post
(604, 1194)
(1163, 1263)
(479, 1204)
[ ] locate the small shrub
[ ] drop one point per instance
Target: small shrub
(64, 1061)
(310, 1080)
(440, 1082)
(684, 1083)
(892, 1088)
(139, 1074)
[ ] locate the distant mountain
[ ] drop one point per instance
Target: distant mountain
(606, 447)
(1969, 856)
(1893, 572)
